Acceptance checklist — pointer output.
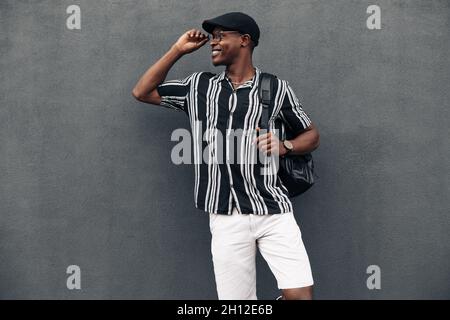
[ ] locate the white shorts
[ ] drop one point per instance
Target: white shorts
(233, 246)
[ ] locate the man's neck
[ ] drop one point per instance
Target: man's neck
(240, 74)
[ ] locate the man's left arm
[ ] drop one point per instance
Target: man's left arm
(305, 142)
(306, 134)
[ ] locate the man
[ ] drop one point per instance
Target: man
(247, 209)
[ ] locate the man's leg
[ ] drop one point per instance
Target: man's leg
(233, 250)
(281, 245)
(305, 293)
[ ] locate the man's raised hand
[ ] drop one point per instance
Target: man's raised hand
(191, 40)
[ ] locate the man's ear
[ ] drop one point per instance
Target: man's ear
(246, 42)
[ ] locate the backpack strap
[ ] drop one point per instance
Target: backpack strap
(265, 91)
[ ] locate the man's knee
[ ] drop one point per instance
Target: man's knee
(305, 293)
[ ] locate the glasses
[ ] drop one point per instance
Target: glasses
(219, 35)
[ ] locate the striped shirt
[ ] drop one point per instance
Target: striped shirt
(211, 103)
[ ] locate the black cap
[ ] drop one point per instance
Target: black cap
(234, 21)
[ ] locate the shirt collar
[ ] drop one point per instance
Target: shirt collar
(248, 83)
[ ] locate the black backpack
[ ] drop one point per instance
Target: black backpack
(295, 171)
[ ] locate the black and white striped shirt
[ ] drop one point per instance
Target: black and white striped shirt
(211, 103)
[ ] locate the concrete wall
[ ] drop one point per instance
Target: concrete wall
(85, 171)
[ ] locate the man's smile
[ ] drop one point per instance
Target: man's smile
(215, 52)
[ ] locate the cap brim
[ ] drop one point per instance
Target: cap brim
(209, 25)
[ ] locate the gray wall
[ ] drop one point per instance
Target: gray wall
(85, 175)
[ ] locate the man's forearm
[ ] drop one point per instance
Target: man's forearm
(305, 142)
(157, 73)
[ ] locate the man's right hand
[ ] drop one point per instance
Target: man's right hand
(146, 88)
(190, 41)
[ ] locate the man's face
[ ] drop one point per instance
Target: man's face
(225, 46)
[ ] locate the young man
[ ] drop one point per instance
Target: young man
(247, 209)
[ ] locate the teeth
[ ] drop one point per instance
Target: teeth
(215, 53)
